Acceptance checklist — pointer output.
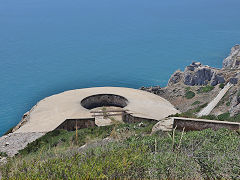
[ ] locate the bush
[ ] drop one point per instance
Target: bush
(196, 102)
(221, 85)
(210, 117)
(203, 154)
(65, 138)
(3, 154)
(205, 89)
(224, 116)
(228, 103)
(189, 94)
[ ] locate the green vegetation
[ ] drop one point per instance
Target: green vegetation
(221, 85)
(223, 117)
(210, 117)
(134, 154)
(188, 88)
(3, 154)
(196, 102)
(228, 103)
(238, 94)
(205, 89)
(189, 94)
(62, 138)
(190, 113)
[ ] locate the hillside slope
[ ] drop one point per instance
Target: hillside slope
(128, 151)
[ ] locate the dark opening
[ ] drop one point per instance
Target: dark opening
(100, 100)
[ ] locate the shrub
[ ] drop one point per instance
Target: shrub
(238, 94)
(196, 102)
(205, 89)
(188, 88)
(210, 117)
(3, 154)
(221, 85)
(203, 154)
(228, 103)
(190, 113)
(224, 116)
(189, 94)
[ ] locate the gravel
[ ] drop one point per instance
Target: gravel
(13, 142)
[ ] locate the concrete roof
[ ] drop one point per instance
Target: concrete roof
(50, 112)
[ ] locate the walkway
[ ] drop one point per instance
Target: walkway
(205, 111)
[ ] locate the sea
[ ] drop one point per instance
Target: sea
(51, 46)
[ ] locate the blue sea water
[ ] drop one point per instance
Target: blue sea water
(47, 47)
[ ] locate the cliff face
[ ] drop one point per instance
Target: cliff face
(233, 60)
(196, 76)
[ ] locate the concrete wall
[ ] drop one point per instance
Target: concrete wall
(100, 100)
(70, 124)
(200, 124)
(128, 118)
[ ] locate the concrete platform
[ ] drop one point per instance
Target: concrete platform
(52, 111)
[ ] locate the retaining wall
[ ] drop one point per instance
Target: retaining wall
(128, 118)
(70, 124)
(200, 124)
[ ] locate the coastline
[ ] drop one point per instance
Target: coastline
(194, 77)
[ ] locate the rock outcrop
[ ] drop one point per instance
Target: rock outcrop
(233, 60)
(235, 104)
(197, 74)
(176, 77)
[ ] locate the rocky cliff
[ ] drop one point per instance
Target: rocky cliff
(202, 83)
(198, 74)
(233, 60)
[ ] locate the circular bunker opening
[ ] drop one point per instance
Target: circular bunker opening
(100, 100)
